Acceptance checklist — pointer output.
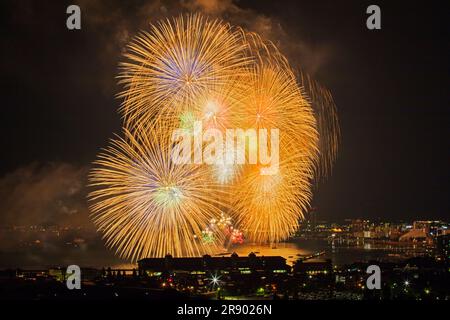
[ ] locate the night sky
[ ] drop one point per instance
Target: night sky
(390, 86)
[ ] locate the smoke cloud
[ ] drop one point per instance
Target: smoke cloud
(50, 194)
(117, 24)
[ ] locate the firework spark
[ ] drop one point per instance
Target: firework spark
(175, 63)
(194, 70)
(324, 107)
(146, 205)
(270, 207)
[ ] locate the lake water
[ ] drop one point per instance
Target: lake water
(339, 253)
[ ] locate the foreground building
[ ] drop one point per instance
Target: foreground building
(233, 263)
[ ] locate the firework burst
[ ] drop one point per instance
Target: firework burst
(146, 205)
(175, 63)
(274, 100)
(269, 207)
(192, 70)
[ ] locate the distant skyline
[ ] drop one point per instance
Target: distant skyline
(390, 87)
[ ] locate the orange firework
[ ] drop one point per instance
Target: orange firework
(175, 63)
(200, 75)
(145, 204)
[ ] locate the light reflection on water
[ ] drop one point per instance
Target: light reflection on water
(127, 266)
(289, 251)
(339, 254)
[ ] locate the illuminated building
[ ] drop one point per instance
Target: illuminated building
(443, 247)
(313, 267)
(233, 263)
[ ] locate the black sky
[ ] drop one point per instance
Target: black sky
(390, 86)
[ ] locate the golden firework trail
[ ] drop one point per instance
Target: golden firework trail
(275, 101)
(325, 111)
(193, 69)
(176, 62)
(269, 207)
(147, 206)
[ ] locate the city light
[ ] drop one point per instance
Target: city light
(215, 281)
